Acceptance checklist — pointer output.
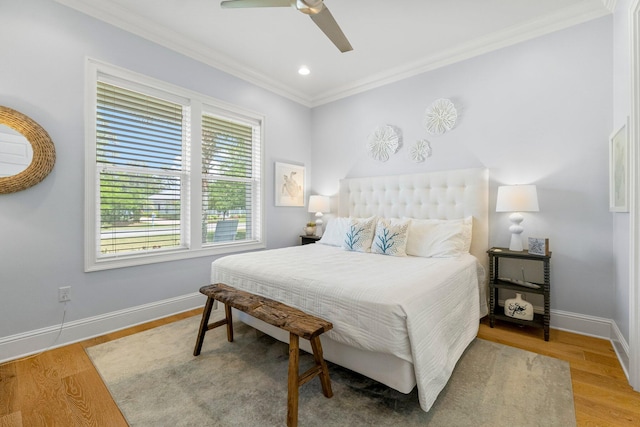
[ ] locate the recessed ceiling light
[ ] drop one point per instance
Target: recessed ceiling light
(304, 70)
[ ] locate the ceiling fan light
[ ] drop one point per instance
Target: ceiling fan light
(304, 70)
(315, 9)
(309, 7)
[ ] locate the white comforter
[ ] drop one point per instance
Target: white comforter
(423, 310)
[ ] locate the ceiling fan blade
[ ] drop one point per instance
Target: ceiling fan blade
(324, 20)
(255, 3)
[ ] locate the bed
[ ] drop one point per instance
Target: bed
(401, 320)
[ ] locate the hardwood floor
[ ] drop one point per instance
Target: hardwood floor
(62, 388)
(601, 393)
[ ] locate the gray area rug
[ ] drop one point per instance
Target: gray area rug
(156, 381)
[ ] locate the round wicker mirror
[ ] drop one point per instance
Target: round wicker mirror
(44, 153)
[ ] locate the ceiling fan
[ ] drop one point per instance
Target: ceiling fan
(317, 11)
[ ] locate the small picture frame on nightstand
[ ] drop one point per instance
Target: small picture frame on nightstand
(538, 246)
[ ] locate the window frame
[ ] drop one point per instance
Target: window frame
(199, 104)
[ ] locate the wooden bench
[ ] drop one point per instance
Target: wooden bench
(298, 323)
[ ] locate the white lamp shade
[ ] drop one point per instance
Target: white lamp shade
(517, 198)
(319, 204)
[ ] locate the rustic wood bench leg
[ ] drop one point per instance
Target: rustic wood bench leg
(292, 398)
(297, 323)
(204, 325)
(316, 346)
(227, 315)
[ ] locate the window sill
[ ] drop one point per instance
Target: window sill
(175, 255)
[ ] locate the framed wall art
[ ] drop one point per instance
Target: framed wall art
(289, 181)
(619, 170)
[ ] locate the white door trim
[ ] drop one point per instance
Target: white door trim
(634, 170)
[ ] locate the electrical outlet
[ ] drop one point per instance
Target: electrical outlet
(64, 293)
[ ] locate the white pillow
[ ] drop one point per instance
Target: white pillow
(359, 234)
(439, 238)
(334, 232)
(391, 237)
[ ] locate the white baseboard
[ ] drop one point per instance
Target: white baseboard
(596, 327)
(621, 348)
(578, 323)
(31, 342)
(582, 324)
(592, 326)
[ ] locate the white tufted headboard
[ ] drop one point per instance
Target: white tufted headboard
(448, 194)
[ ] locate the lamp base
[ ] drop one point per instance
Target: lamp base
(319, 223)
(516, 230)
(516, 243)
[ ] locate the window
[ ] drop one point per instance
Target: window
(171, 174)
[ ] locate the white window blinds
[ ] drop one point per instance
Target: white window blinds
(229, 179)
(171, 173)
(139, 146)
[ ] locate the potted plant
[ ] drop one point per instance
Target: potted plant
(310, 229)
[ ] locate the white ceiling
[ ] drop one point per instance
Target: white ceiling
(392, 39)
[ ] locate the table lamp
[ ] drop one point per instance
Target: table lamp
(516, 199)
(319, 204)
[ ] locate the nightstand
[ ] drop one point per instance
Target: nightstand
(496, 311)
(305, 240)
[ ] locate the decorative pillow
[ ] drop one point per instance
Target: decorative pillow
(359, 234)
(391, 237)
(439, 238)
(334, 232)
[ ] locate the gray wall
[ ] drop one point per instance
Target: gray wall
(43, 51)
(537, 112)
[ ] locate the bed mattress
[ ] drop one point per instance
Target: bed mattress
(422, 310)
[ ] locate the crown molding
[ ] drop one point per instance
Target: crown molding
(563, 19)
(121, 18)
(610, 4)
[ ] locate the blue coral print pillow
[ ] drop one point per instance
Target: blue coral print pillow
(391, 237)
(359, 234)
